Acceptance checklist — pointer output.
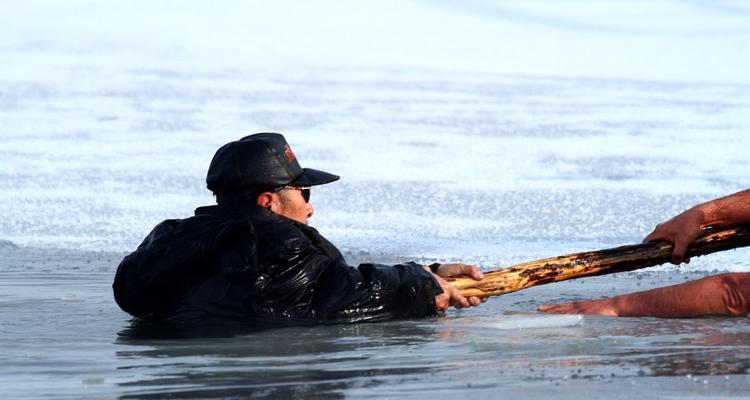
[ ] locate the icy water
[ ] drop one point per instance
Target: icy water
(451, 147)
(63, 337)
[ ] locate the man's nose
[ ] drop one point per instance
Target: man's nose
(310, 210)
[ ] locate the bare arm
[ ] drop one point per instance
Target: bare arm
(725, 294)
(684, 228)
(732, 209)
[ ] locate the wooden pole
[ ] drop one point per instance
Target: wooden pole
(601, 262)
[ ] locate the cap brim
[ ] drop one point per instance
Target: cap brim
(314, 177)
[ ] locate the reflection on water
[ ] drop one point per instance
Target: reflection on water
(283, 363)
(656, 347)
(475, 349)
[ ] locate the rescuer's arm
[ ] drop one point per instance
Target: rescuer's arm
(724, 294)
(684, 228)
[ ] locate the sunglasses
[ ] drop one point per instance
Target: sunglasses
(304, 190)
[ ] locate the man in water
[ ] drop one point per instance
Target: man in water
(252, 258)
(723, 294)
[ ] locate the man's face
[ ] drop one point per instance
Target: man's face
(290, 203)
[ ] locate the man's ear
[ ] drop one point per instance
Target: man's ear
(265, 199)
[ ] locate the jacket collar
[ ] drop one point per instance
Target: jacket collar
(235, 208)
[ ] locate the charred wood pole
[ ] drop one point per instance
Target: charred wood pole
(600, 262)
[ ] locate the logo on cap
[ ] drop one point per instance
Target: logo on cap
(288, 153)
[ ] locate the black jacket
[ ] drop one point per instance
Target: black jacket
(242, 263)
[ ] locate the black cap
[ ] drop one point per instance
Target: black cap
(260, 161)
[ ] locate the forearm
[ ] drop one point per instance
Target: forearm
(732, 209)
(393, 291)
(725, 294)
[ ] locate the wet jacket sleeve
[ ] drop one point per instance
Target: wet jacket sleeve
(301, 281)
